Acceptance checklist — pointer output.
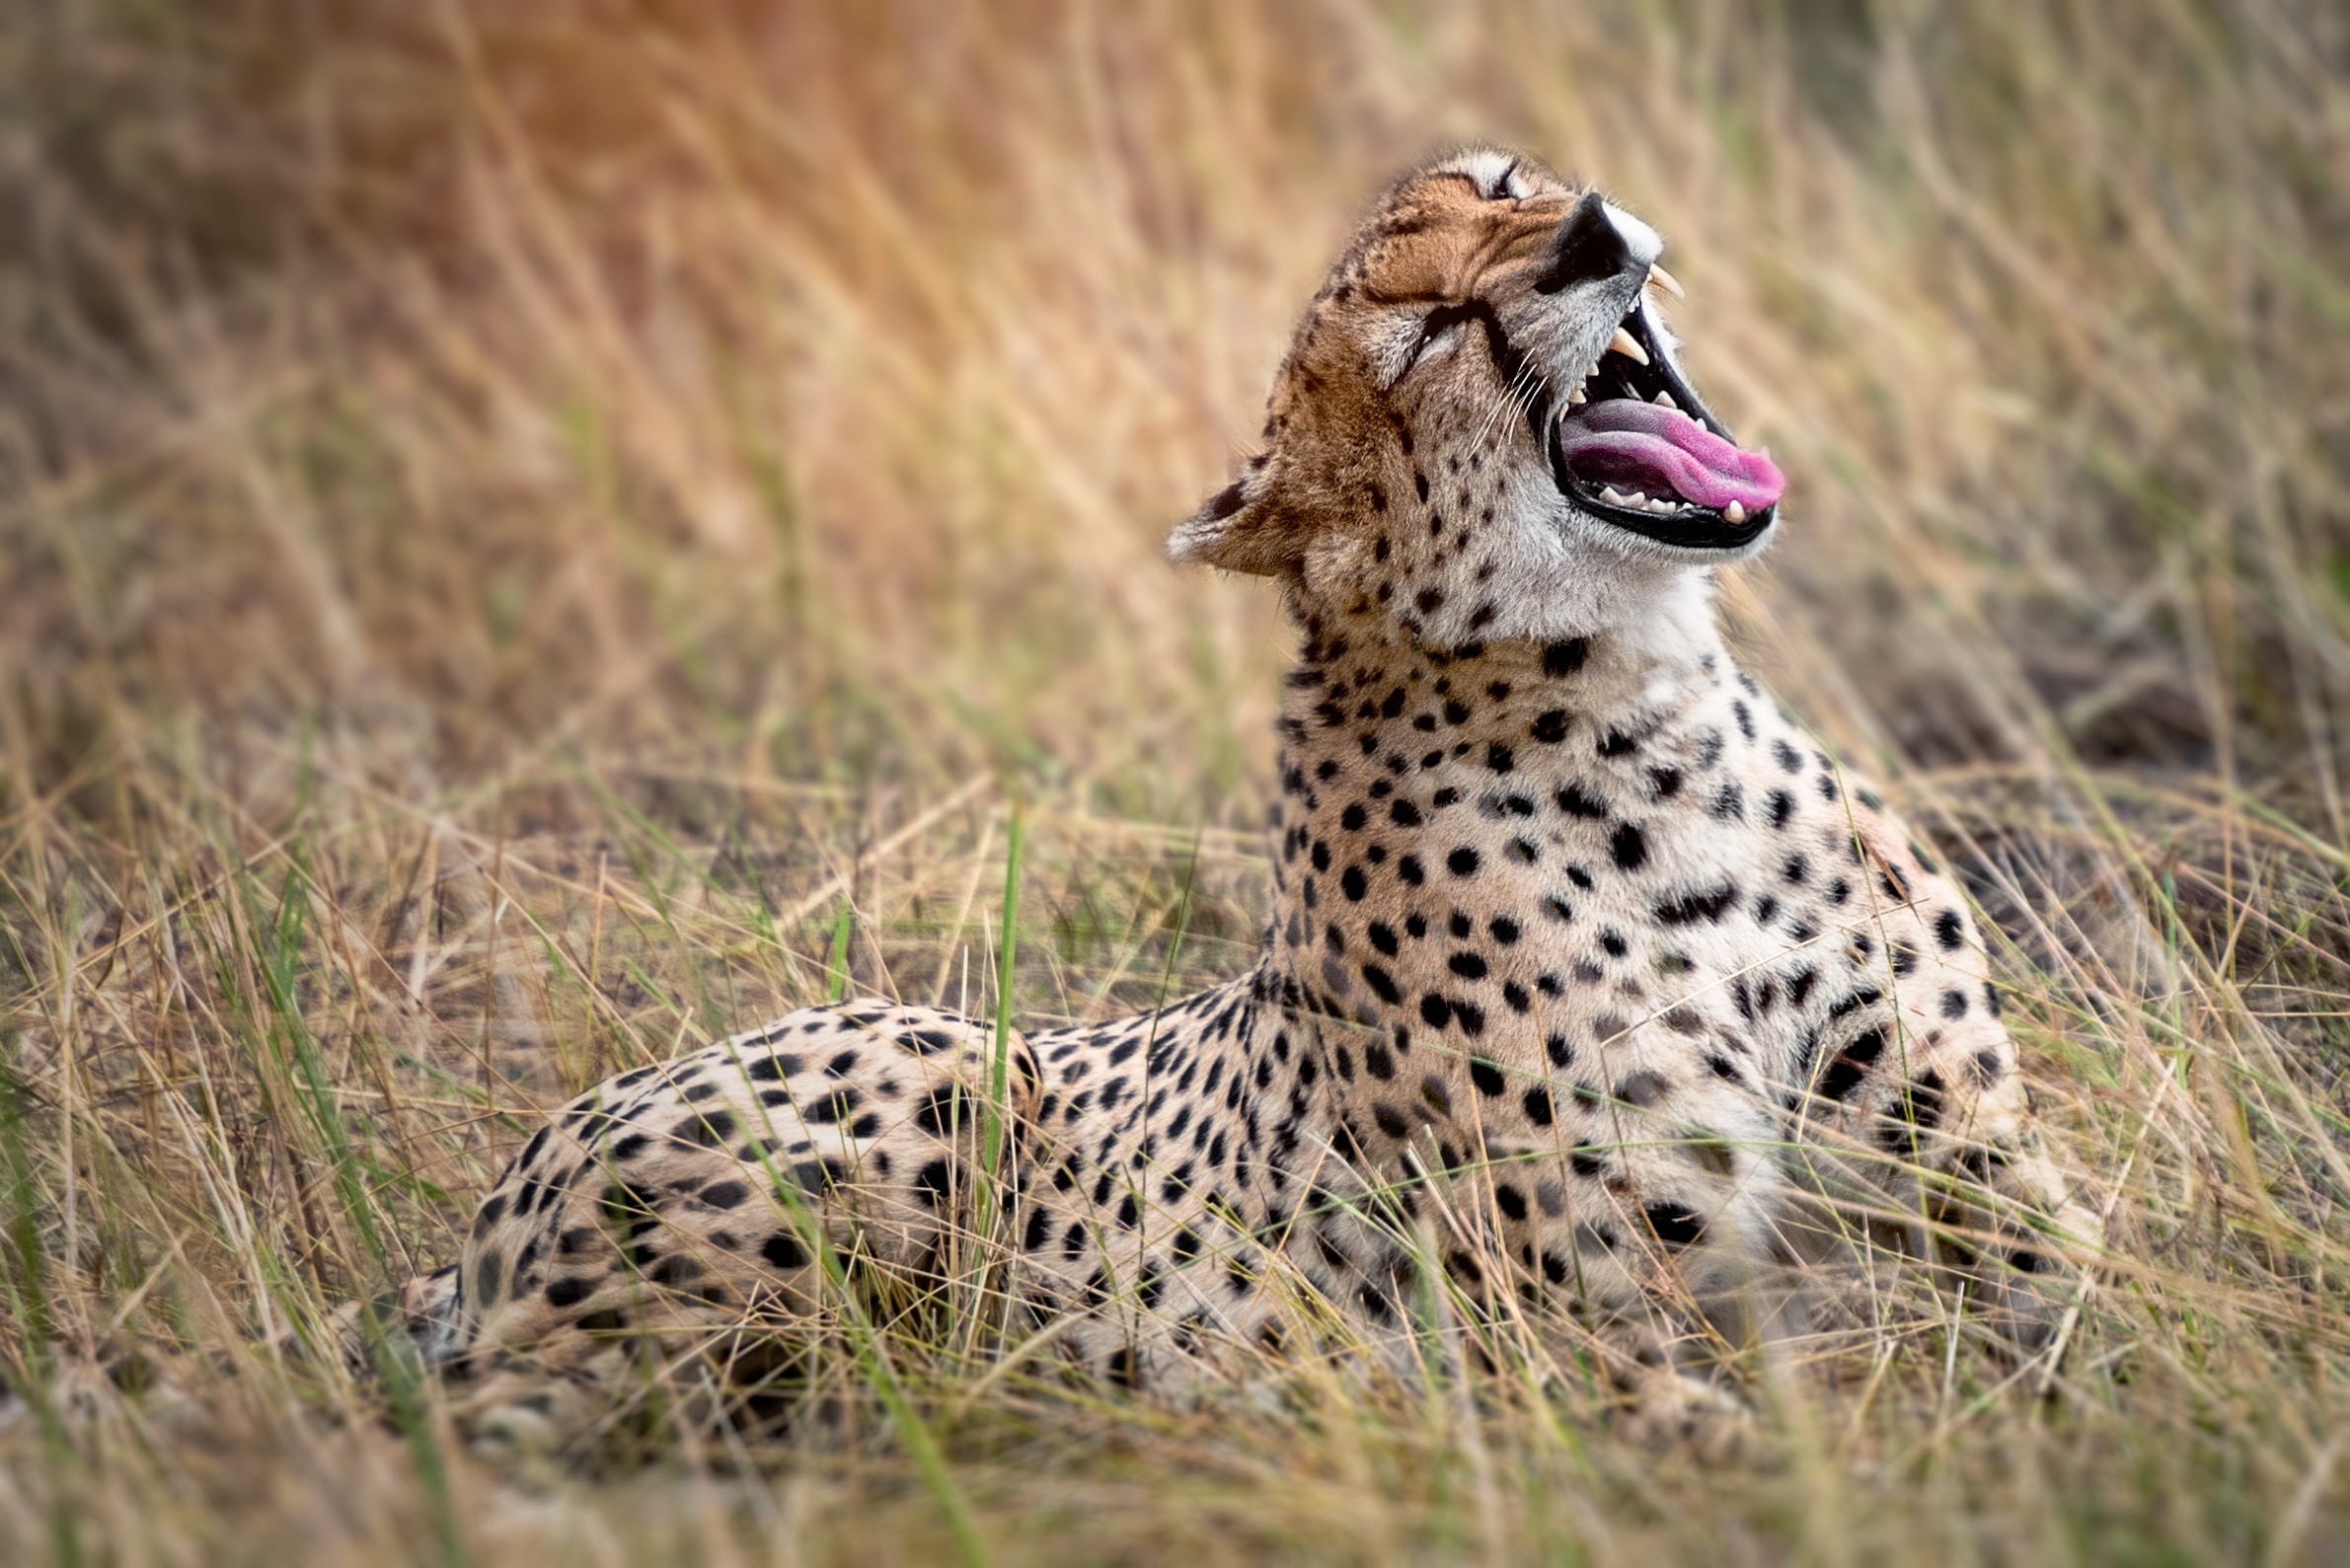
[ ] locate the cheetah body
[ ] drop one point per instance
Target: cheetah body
(1591, 982)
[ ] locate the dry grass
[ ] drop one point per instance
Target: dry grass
(532, 535)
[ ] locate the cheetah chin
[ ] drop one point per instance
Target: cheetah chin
(1597, 1003)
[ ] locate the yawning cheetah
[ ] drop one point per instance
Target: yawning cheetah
(1590, 981)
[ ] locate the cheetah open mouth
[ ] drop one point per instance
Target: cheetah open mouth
(1638, 448)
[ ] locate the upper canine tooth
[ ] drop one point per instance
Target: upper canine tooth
(1672, 284)
(1624, 343)
(1666, 399)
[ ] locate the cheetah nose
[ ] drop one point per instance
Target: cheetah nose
(1587, 249)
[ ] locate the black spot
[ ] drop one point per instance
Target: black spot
(725, 1194)
(1845, 1074)
(1469, 966)
(710, 1131)
(1564, 658)
(1436, 1010)
(1953, 1005)
(1781, 806)
(1382, 936)
(1227, 501)
(1560, 1050)
(837, 1106)
(1630, 847)
(1710, 905)
(1923, 1103)
(1538, 1106)
(1380, 981)
(1461, 862)
(1499, 757)
(932, 1180)
(1674, 1225)
(1487, 1075)
(569, 1291)
(1550, 727)
(1948, 929)
(1510, 1201)
(1575, 802)
(1403, 813)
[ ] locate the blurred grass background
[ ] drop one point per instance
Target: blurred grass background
(532, 535)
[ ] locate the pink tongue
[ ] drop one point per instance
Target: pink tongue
(1661, 451)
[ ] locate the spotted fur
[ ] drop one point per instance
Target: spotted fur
(1590, 978)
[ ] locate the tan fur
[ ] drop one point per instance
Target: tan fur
(1589, 977)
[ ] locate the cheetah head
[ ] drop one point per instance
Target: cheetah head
(1482, 424)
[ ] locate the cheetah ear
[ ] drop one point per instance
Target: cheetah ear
(1244, 527)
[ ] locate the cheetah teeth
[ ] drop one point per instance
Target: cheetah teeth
(1661, 505)
(1624, 343)
(1640, 501)
(1666, 281)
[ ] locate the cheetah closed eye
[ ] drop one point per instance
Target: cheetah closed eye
(1589, 980)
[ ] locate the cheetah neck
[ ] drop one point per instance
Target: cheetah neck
(1443, 816)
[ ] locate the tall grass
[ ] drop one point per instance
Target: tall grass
(534, 534)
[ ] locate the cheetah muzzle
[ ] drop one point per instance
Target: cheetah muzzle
(1594, 992)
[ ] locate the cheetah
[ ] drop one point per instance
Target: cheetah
(1590, 981)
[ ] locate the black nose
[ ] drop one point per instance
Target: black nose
(1586, 249)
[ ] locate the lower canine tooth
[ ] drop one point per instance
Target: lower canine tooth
(1734, 513)
(1575, 396)
(1666, 399)
(1624, 343)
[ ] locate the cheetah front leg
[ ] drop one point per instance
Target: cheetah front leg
(1932, 1084)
